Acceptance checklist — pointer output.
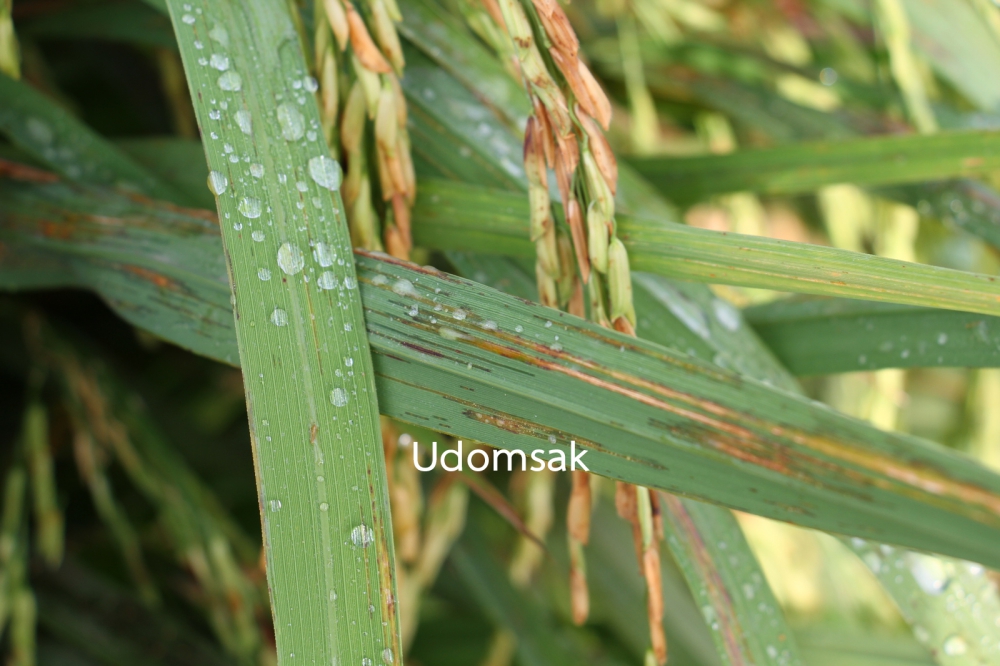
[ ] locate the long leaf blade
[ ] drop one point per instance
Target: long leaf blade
(807, 166)
(50, 134)
(648, 415)
(300, 329)
(816, 336)
(747, 624)
(460, 217)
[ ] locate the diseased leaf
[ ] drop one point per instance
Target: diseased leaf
(747, 624)
(469, 361)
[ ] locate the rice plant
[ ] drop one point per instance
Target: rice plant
(499, 332)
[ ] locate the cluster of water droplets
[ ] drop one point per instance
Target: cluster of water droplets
(952, 607)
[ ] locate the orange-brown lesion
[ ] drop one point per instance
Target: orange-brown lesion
(18, 171)
(160, 280)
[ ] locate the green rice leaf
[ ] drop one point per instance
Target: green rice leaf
(818, 336)
(747, 624)
(459, 217)
(300, 331)
(807, 166)
(487, 366)
(37, 125)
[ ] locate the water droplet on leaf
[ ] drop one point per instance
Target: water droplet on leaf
(290, 258)
(245, 122)
(291, 122)
(327, 281)
(954, 646)
(338, 397)
(217, 182)
(219, 61)
(249, 207)
(323, 254)
(362, 536)
(219, 35)
(230, 82)
(325, 172)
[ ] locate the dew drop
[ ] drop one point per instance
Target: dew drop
(290, 258)
(219, 61)
(519, 328)
(726, 314)
(362, 536)
(291, 122)
(244, 120)
(324, 506)
(274, 504)
(279, 317)
(338, 397)
(217, 182)
(301, 186)
(219, 35)
(489, 325)
(366, 661)
(311, 84)
(954, 646)
(459, 314)
(327, 281)
(249, 207)
(230, 81)
(942, 339)
(323, 254)
(350, 282)
(188, 19)
(873, 561)
(258, 235)
(257, 170)
(264, 274)
(929, 572)
(39, 131)
(387, 657)
(348, 361)
(325, 172)
(404, 287)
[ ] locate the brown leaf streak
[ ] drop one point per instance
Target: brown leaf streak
(18, 171)
(759, 442)
(730, 628)
(160, 280)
